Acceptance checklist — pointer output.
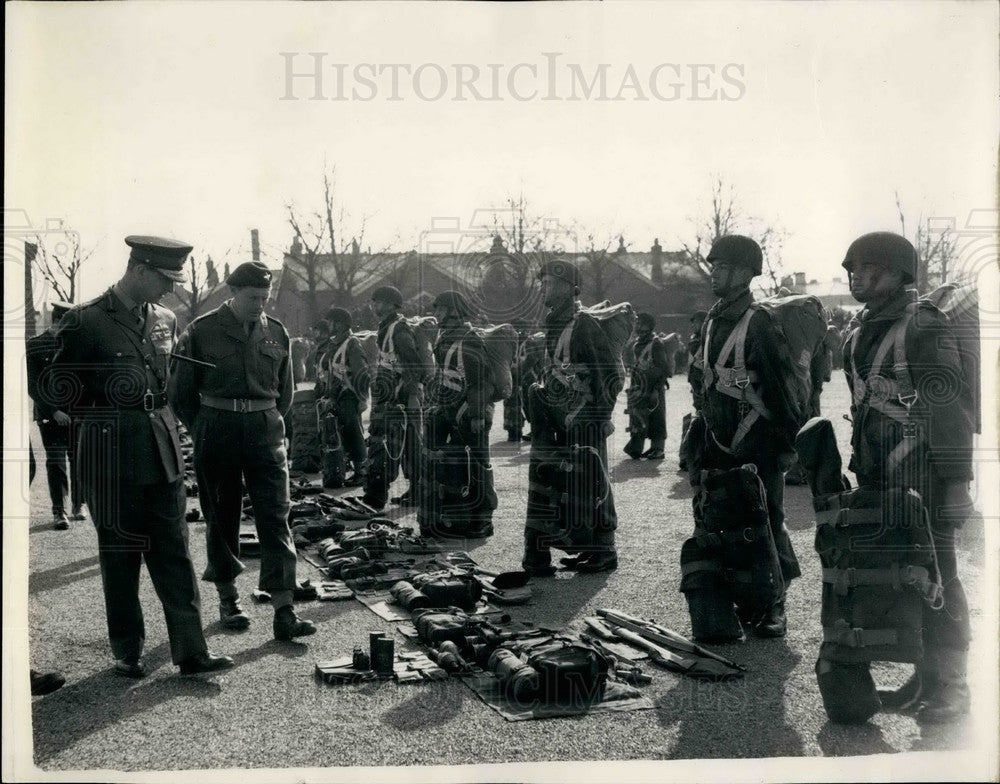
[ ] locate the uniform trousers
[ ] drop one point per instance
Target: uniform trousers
(146, 522)
(393, 440)
(60, 464)
(231, 448)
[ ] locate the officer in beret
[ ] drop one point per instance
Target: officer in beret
(111, 369)
(921, 440)
(647, 392)
(570, 412)
(397, 398)
(752, 419)
(233, 399)
(458, 498)
(54, 424)
(343, 379)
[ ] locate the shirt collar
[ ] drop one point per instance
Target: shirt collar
(130, 304)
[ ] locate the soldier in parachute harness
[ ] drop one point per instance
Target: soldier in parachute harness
(646, 393)
(751, 417)
(912, 430)
(570, 504)
(342, 381)
(457, 498)
(397, 398)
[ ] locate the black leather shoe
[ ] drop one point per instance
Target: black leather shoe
(205, 662)
(232, 615)
(60, 521)
(775, 624)
(288, 625)
(598, 562)
(130, 668)
(45, 682)
(653, 454)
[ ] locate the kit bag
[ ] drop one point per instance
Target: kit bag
(435, 626)
(879, 568)
(452, 590)
(569, 673)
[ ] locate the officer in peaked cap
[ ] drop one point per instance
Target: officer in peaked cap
(163, 255)
(235, 410)
(130, 464)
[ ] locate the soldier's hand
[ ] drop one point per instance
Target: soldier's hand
(61, 418)
(957, 502)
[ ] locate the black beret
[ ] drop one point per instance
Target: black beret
(339, 316)
(453, 300)
(737, 249)
(250, 274)
(388, 294)
(646, 318)
(561, 268)
(884, 247)
(165, 256)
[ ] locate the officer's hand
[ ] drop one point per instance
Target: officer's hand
(957, 502)
(476, 425)
(61, 418)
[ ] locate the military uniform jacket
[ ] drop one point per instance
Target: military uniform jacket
(651, 369)
(942, 429)
(110, 372)
(255, 366)
(589, 350)
(399, 371)
(343, 367)
(723, 413)
(464, 377)
(41, 350)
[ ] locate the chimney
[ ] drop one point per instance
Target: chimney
(800, 280)
(656, 271)
(254, 245)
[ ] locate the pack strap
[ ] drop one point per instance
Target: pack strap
(730, 575)
(842, 634)
(897, 576)
(715, 539)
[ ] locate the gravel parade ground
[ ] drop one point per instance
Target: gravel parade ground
(270, 712)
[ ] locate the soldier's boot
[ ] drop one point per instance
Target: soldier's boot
(774, 624)
(634, 447)
(288, 625)
(918, 687)
(231, 614)
(537, 560)
(655, 451)
(951, 699)
(60, 521)
(848, 691)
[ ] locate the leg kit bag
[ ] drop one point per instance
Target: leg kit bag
(730, 569)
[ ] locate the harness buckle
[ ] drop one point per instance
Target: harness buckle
(148, 401)
(741, 381)
(907, 400)
(909, 429)
(749, 534)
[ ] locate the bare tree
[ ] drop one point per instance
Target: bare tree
(202, 281)
(323, 259)
(59, 260)
(727, 217)
(936, 246)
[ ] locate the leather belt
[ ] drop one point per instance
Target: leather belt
(239, 405)
(150, 401)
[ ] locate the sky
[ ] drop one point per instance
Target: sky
(179, 119)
